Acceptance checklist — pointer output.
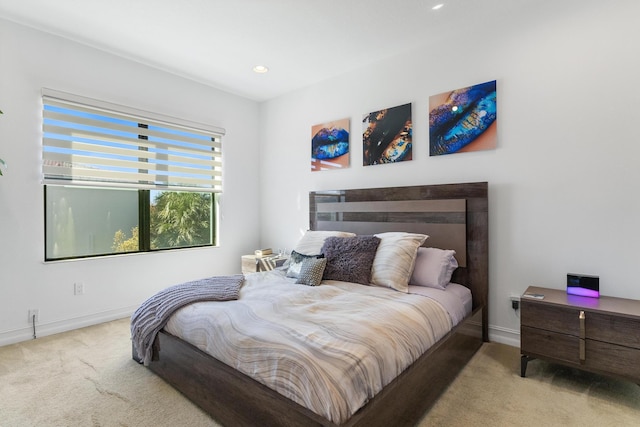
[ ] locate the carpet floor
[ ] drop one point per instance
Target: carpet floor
(86, 378)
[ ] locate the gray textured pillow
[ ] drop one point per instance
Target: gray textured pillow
(295, 263)
(349, 259)
(311, 271)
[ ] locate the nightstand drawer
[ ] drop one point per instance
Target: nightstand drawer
(552, 318)
(615, 359)
(541, 343)
(613, 329)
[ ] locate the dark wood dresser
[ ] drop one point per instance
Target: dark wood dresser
(600, 335)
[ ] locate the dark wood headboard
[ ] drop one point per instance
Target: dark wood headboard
(455, 216)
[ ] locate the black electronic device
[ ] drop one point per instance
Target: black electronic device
(583, 285)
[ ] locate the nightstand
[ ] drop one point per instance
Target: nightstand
(600, 335)
(252, 263)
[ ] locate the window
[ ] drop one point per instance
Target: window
(120, 180)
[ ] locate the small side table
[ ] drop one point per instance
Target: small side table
(252, 263)
(599, 335)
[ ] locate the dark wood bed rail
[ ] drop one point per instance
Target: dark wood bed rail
(236, 400)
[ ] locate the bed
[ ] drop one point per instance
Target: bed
(454, 216)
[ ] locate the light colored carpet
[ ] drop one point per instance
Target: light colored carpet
(87, 378)
(490, 392)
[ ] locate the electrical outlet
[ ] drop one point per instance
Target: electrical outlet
(515, 301)
(34, 313)
(78, 288)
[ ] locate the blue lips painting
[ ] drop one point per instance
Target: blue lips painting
(463, 120)
(330, 145)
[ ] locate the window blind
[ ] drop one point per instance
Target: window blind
(93, 143)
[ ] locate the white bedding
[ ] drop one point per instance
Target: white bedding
(455, 298)
(329, 348)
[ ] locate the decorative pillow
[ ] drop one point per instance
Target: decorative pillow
(434, 267)
(312, 241)
(395, 259)
(295, 263)
(311, 271)
(349, 259)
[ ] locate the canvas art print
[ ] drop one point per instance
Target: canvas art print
(463, 120)
(330, 145)
(387, 135)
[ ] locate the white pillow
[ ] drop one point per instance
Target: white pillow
(312, 241)
(433, 267)
(395, 258)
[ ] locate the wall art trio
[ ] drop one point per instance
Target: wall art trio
(460, 120)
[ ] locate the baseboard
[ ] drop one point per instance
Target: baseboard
(504, 336)
(50, 328)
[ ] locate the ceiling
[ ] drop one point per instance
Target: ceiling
(218, 42)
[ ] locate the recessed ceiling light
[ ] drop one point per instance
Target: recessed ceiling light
(438, 6)
(260, 69)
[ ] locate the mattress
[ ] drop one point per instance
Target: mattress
(329, 348)
(455, 298)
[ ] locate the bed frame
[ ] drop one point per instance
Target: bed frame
(234, 399)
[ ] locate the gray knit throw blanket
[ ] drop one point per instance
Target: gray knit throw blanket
(154, 313)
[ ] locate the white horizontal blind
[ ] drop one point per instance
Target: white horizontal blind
(92, 143)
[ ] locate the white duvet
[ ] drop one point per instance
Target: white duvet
(329, 348)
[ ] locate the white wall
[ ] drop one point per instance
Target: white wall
(114, 286)
(564, 182)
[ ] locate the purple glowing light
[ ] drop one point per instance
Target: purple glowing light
(575, 290)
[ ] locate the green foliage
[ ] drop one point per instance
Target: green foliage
(123, 244)
(177, 220)
(181, 219)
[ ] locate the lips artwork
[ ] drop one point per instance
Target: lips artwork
(387, 136)
(330, 145)
(463, 120)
